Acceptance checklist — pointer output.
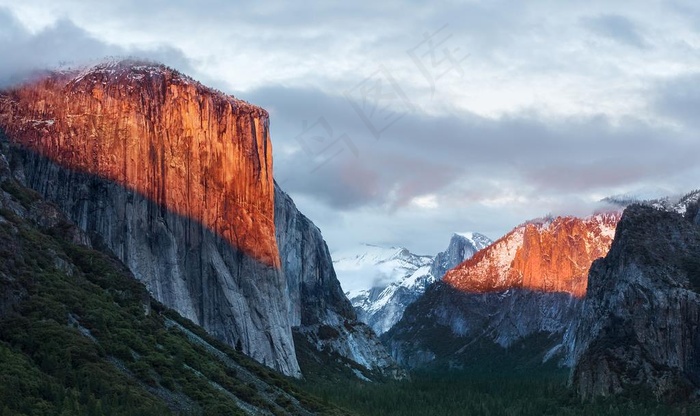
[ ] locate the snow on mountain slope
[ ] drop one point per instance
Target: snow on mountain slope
(475, 239)
(381, 282)
(549, 255)
(462, 247)
(525, 287)
(369, 266)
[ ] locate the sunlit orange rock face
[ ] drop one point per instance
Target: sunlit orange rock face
(552, 255)
(190, 149)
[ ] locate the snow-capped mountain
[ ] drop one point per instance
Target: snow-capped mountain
(527, 285)
(381, 282)
(369, 266)
(462, 247)
(547, 254)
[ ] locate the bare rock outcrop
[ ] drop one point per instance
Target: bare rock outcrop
(638, 327)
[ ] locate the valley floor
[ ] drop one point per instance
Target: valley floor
(453, 393)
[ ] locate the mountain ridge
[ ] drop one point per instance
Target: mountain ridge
(492, 298)
(175, 179)
(404, 276)
(531, 256)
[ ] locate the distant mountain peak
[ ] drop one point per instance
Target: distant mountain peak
(382, 281)
(525, 286)
(472, 236)
(463, 245)
(547, 254)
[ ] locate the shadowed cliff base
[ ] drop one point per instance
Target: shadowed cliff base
(183, 264)
(321, 315)
(80, 335)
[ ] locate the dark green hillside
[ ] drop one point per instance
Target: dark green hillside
(80, 336)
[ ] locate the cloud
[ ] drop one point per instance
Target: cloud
(423, 154)
(679, 99)
(558, 104)
(616, 27)
(429, 175)
(63, 44)
(687, 10)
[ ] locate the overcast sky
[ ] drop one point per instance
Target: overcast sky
(398, 123)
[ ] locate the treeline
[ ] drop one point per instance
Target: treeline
(450, 394)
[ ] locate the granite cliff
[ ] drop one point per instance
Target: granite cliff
(638, 327)
(319, 311)
(80, 335)
(175, 179)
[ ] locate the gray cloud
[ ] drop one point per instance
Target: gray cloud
(63, 44)
(679, 99)
(616, 27)
(558, 103)
(689, 10)
(424, 154)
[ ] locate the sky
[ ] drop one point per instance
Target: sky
(399, 123)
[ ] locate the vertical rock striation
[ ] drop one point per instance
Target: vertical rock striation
(175, 179)
(189, 149)
(307, 266)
